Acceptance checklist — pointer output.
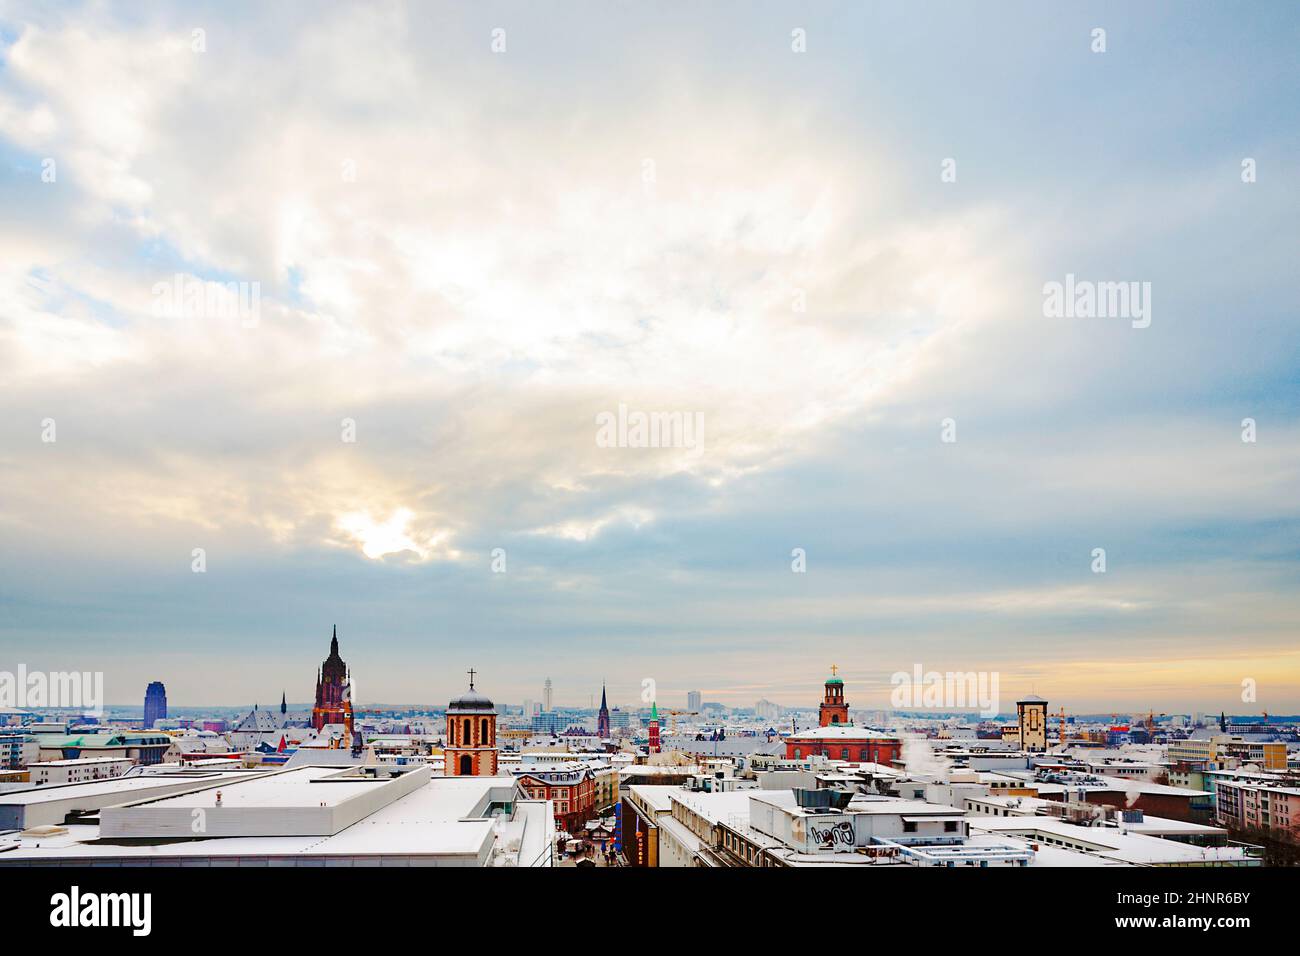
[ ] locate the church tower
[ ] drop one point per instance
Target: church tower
(834, 710)
(471, 749)
(654, 729)
(330, 681)
(602, 717)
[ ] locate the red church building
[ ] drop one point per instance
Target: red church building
(836, 738)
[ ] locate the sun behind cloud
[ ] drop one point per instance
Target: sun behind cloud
(378, 538)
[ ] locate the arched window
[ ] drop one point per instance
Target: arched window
(485, 732)
(466, 766)
(468, 733)
(797, 753)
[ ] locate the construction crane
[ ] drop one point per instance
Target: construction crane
(672, 719)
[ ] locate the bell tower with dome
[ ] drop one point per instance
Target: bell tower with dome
(833, 710)
(471, 749)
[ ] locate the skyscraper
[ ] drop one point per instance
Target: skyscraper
(155, 704)
(693, 699)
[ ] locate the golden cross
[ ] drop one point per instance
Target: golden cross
(835, 669)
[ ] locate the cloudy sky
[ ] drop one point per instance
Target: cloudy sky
(474, 228)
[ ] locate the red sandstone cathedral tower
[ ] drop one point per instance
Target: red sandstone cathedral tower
(833, 709)
(471, 749)
(602, 717)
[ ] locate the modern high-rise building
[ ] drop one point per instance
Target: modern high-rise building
(547, 703)
(693, 699)
(548, 722)
(155, 704)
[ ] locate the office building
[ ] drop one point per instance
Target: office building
(155, 704)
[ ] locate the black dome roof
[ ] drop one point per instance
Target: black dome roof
(471, 702)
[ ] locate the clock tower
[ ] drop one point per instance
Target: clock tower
(1031, 714)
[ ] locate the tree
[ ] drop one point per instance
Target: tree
(1281, 847)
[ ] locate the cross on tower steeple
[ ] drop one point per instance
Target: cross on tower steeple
(834, 709)
(471, 678)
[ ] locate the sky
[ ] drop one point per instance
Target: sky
(823, 231)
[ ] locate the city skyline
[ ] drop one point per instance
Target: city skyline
(876, 697)
(456, 257)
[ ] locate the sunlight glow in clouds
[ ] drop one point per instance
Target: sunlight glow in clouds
(379, 538)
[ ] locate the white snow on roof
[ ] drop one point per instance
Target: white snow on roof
(840, 732)
(1107, 841)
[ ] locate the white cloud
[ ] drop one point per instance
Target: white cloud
(475, 259)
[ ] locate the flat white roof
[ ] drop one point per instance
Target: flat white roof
(910, 807)
(303, 787)
(127, 787)
(428, 822)
(840, 732)
(1134, 848)
(1154, 825)
(656, 796)
(717, 807)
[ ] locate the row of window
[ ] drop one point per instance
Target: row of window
(744, 850)
(865, 755)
